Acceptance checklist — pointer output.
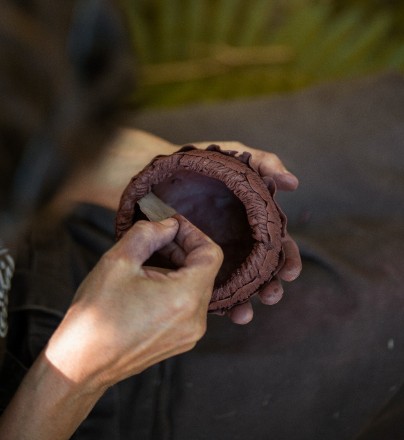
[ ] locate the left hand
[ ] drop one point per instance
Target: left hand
(269, 167)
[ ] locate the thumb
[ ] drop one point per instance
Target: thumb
(144, 238)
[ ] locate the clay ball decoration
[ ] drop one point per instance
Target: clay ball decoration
(224, 196)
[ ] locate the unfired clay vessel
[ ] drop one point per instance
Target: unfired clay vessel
(221, 193)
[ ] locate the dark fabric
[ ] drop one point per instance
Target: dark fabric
(9, 368)
(11, 375)
(325, 361)
(388, 424)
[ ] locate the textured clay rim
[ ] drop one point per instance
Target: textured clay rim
(265, 218)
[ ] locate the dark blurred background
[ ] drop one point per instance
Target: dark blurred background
(211, 50)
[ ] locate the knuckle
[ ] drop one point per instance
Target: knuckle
(191, 312)
(111, 263)
(111, 256)
(143, 226)
(184, 305)
(219, 255)
(114, 261)
(238, 144)
(188, 346)
(118, 252)
(200, 329)
(214, 254)
(274, 158)
(196, 329)
(193, 307)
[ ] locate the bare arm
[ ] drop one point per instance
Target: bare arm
(124, 318)
(134, 149)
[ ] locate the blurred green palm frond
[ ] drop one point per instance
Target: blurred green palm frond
(209, 50)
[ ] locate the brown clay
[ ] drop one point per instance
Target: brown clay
(225, 197)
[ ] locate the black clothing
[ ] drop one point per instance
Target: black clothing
(329, 357)
(12, 373)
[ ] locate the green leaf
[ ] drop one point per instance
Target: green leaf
(256, 19)
(241, 48)
(168, 24)
(332, 37)
(139, 30)
(224, 14)
(363, 47)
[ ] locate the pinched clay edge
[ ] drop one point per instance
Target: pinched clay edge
(267, 221)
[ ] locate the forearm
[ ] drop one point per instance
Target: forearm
(103, 183)
(47, 405)
(123, 319)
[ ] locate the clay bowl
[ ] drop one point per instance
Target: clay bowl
(223, 195)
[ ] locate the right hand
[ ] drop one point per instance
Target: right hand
(126, 317)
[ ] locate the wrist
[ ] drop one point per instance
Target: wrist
(70, 353)
(47, 395)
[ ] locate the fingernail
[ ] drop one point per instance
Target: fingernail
(287, 179)
(169, 222)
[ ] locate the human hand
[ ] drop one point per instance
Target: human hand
(133, 149)
(271, 169)
(126, 317)
(268, 165)
(103, 183)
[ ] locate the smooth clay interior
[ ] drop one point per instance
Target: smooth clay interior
(213, 208)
